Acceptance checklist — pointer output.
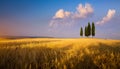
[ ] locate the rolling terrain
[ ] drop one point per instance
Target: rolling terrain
(59, 53)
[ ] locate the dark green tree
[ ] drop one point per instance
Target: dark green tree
(93, 29)
(81, 32)
(89, 29)
(86, 31)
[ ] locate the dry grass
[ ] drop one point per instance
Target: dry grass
(53, 53)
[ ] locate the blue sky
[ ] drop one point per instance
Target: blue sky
(35, 17)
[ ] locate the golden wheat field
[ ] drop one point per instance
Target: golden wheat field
(59, 53)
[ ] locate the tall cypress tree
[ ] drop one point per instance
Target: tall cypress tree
(81, 32)
(86, 31)
(89, 29)
(93, 29)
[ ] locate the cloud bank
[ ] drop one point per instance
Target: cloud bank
(108, 17)
(69, 18)
(63, 17)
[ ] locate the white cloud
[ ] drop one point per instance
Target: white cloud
(61, 14)
(83, 11)
(108, 17)
(62, 17)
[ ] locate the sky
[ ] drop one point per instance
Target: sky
(59, 18)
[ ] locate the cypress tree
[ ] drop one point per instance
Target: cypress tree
(93, 29)
(81, 32)
(86, 31)
(89, 29)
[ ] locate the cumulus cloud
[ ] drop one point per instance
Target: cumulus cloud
(62, 14)
(63, 17)
(83, 11)
(108, 17)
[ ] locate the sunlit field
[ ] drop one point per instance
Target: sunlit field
(59, 53)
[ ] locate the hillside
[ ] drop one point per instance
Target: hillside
(59, 53)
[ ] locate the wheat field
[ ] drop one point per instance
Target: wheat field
(59, 53)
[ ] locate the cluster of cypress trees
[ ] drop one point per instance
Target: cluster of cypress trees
(89, 30)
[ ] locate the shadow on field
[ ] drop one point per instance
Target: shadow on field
(106, 56)
(30, 58)
(104, 48)
(96, 57)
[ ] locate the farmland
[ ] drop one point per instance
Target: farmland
(59, 53)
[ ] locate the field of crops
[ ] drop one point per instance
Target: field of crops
(59, 53)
